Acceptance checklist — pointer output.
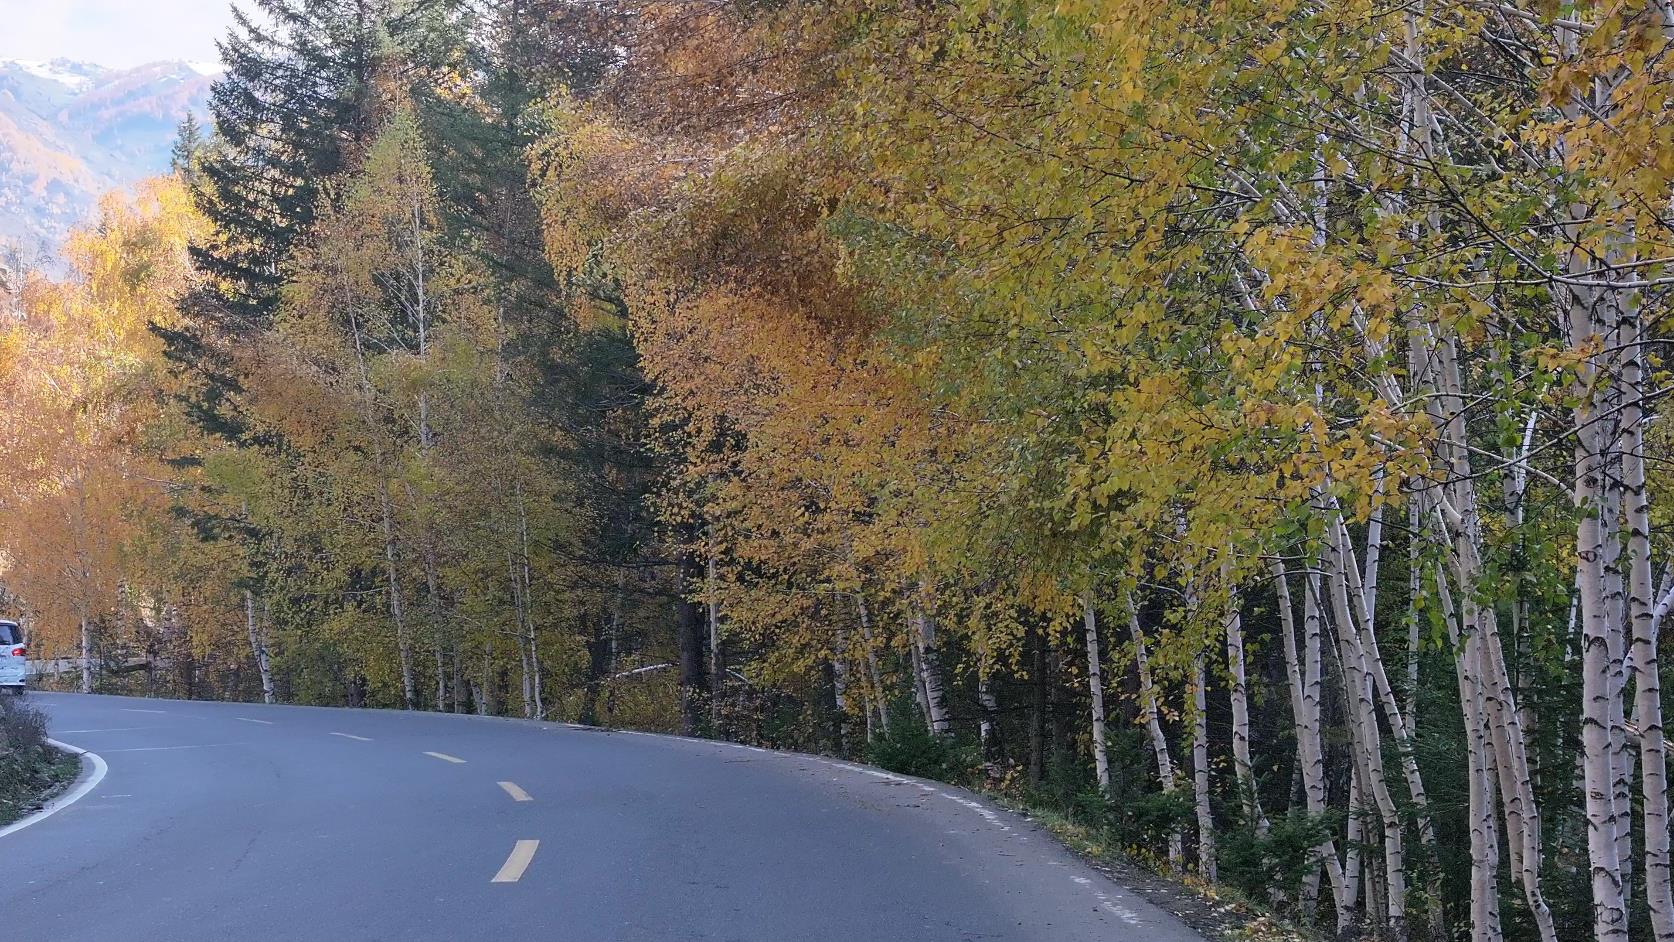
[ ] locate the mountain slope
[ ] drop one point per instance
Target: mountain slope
(70, 131)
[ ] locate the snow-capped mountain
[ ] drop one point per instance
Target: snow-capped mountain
(70, 131)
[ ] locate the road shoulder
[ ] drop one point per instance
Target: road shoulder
(47, 779)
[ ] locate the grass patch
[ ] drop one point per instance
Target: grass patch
(30, 770)
(1217, 911)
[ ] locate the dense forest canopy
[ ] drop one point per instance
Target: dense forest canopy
(1236, 425)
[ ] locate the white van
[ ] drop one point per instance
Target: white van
(14, 666)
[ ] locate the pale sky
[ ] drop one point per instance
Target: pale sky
(117, 33)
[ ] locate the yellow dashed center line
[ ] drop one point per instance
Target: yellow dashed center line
(512, 870)
(446, 758)
(517, 794)
(352, 736)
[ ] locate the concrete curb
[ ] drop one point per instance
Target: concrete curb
(93, 771)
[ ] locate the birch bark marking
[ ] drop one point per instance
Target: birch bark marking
(1200, 771)
(258, 646)
(528, 611)
(915, 648)
(1243, 768)
(86, 637)
(1148, 707)
(1310, 759)
(258, 636)
(1600, 699)
(1485, 906)
(876, 676)
(1653, 759)
(989, 730)
(1362, 608)
(1095, 686)
(930, 669)
(397, 613)
(518, 612)
(1415, 585)
(1597, 687)
(1365, 736)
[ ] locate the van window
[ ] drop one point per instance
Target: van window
(10, 633)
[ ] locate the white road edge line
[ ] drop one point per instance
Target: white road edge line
(352, 736)
(246, 719)
(512, 870)
(516, 793)
(68, 798)
(446, 758)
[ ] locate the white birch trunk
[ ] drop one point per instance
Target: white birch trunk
(1653, 759)
(1148, 705)
(1310, 758)
(1415, 583)
(1366, 738)
(1484, 844)
(519, 605)
(916, 648)
(879, 693)
(537, 700)
(1354, 842)
(1598, 689)
(86, 638)
(1095, 687)
(258, 646)
(930, 670)
(1242, 766)
(987, 730)
(397, 613)
(1362, 601)
(1600, 693)
(1200, 771)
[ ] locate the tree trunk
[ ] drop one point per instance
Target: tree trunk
(1653, 759)
(519, 605)
(1243, 768)
(258, 646)
(1310, 755)
(1484, 843)
(1415, 584)
(930, 669)
(1148, 705)
(989, 731)
(526, 571)
(1365, 737)
(717, 661)
(689, 639)
(1200, 770)
(86, 655)
(879, 692)
(1038, 707)
(403, 643)
(1095, 686)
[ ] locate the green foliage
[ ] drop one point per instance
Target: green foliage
(1275, 861)
(911, 749)
(29, 768)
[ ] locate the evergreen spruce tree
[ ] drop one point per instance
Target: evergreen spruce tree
(298, 98)
(187, 148)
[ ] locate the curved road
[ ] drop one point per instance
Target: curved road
(225, 821)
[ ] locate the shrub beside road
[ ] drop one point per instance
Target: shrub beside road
(31, 771)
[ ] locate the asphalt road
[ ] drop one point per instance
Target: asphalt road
(230, 822)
